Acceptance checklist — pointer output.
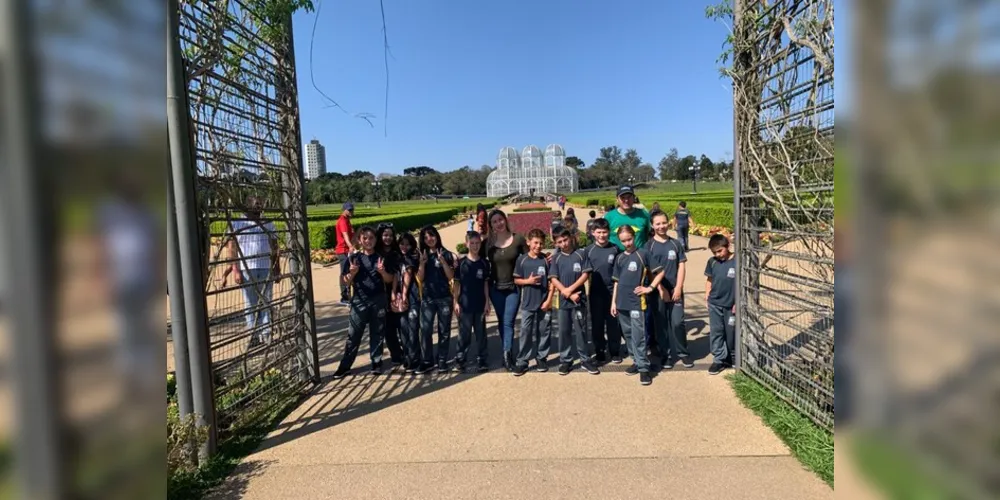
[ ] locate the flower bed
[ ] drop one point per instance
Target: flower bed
(523, 222)
(532, 207)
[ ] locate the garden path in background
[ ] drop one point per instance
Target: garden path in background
(496, 436)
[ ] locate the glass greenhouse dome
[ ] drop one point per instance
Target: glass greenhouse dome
(531, 170)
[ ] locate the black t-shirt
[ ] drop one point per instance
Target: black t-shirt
(601, 261)
(409, 264)
(683, 217)
(472, 276)
(666, 256)
(436, 282)
(567, 268)
(391, 260)
(631, 270)
(367, 285)
(503, 260)
(723, 275)
(532, 296)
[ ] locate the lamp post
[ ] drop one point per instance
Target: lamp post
(376, 185)
(436, 190)
(694, 169)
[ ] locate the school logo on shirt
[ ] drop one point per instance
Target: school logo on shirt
(576, 267)
(611, 259)
(437, 262)
(731, 273)
(672, 255)
(632, 266)
(479, 274)
(541, 270)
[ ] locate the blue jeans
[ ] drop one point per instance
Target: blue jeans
(505, 303)
(257, 289)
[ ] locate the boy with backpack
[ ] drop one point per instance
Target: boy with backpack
(720, 295)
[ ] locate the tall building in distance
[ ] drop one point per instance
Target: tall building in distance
(315, 159)
(531, 171)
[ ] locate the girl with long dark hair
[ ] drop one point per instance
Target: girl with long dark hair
(436, 270)
(407, 300)
(385, 247)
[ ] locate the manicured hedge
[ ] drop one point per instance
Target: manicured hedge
(324, 234)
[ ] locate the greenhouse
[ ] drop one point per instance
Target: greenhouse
(531, 170)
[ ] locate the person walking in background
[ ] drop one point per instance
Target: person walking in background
(682, 223)
(482, 225)
(345, 244)
(502, 250)
(531, 275)
(471, 303)
(571, 214)
(253, 242)
(720, 295)
(407, 302)
(385, 247)
(590, 225)
(604, 329)
(436, 272)
(471, 223)
(627, 214)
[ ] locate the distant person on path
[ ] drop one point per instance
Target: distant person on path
(367, 276)
(531, 274)
(627, 214)
(571, 215)
(720, 295)
(253, 241)
(436, 272)
(590, 226)
(502, 250)
(482, 224)
(562, 202)
(569, 272)
(631, 276)
(345, 244)
(604, 329)
(385, 247)
(667, 299)
(683, 222)
(472, 303)
(471, 223)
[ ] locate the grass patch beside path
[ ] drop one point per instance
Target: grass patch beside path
(810, 444)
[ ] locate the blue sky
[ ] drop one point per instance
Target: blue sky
(470, 77)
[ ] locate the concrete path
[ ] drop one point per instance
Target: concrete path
(544, 436)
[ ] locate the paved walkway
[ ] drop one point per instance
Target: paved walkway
(543, 436)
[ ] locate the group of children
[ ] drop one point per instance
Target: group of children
(405, 287)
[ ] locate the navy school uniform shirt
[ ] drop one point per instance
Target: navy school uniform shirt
(723, 274)
(367, 285)
(472, 277)
(601, 261)
(666, 256)
(683, 217)
(532, 296)
(567, 268)
(410, 263)
(631, 270)
(436, 283)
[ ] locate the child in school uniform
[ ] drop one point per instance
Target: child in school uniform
(408, 297)
(568, 272)
(631, 275)
(604, 329)
(471, 291)
(367, 277)
(436, 272)
(667, 299)
(720, 295)
(530, 274)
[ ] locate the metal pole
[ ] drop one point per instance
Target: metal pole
(305, 303)
(41, 456)
(740, 241)
(178, 319)
(183, 173)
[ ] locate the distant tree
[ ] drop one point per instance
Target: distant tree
(419, 171)
(668, 164)
(574, 162)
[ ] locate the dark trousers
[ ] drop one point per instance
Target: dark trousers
(649, 315)
(393, 326)
(572, 333)
(633, 325)
(410, 333)
(682, 234)
(370, 314)
(604, 329)
(722, 333)
(469, 323)
(441, 308)
(345, 291)
(535, 338)
(671, 337)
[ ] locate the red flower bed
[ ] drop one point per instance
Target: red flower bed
(524, 207)
(523, 222)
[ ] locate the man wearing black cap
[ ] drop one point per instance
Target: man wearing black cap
(345, 244)
(628, 215)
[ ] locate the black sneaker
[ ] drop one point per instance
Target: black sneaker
(341, 373)
(632, 370)
(483, 366)
(686, 361)
(591, 369)
(617, 360)
(645, 378)
(564, 368)
(443, 367)
(344, 302)
(376, 368)
(668, 364)
(541, 366)
(395, 362)
(519, 370)
(601, 357)
(424, 368)
(411, 368)
(716, 368)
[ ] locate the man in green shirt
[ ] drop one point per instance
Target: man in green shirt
(628, 215)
